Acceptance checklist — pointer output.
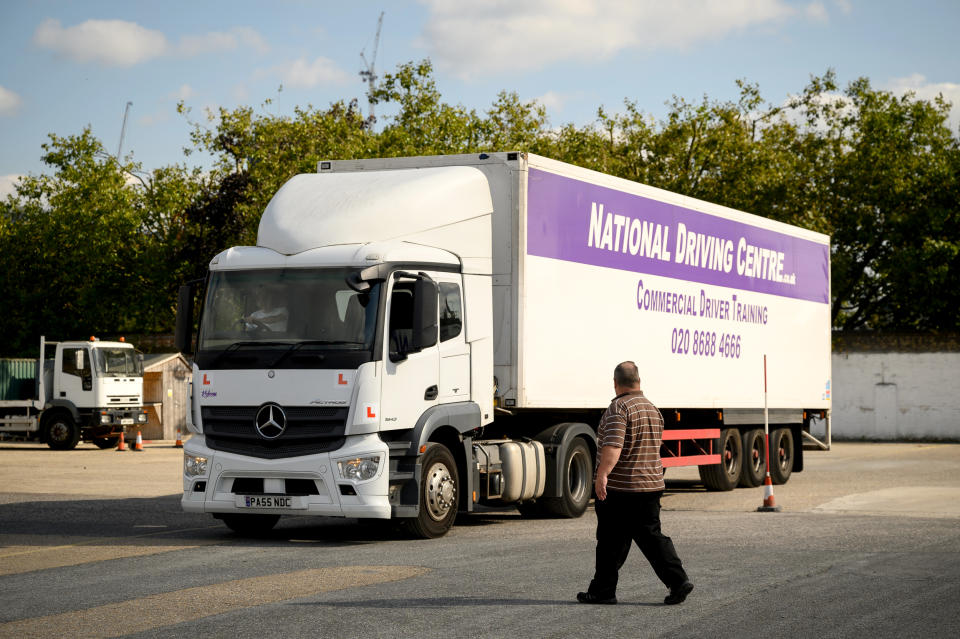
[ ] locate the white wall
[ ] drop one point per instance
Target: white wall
(896, 396)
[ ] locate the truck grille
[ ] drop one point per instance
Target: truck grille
(309, 430)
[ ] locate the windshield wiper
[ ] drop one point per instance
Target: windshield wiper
(233, 348)
(311, 342)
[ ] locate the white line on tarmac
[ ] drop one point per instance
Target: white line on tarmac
(189, 604)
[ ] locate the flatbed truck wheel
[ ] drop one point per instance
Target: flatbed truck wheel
(726, 474)
(754, 458)
(60, 431)
(781, 455)
(439, 494)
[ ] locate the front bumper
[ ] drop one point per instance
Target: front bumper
(119, 418)
(313, 482)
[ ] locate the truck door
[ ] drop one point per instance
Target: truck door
(75, 377)
(454, 352)
(410, 382)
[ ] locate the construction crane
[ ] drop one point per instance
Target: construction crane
(369, 73)
(123, 129)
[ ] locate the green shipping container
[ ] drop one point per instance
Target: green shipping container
(17, 378)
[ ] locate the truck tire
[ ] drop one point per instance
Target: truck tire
(250, 525)
(754, 458)
(106, 442)
(576, 478)
(439, 494)
(60, 431)
(781, 455)
(726, 474)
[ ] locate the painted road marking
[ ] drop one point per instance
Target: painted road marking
(15, 559)
(190, 604)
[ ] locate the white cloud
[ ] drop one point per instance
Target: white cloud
(552, 100)
(115, 43)
(9, 102)
(192, 45)
(499, 35)
(185, 92)
(118, 43)
(929, 91)
(816, 11)
(8, 185)
(304, 74)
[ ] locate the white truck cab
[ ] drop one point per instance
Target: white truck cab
(89, 390)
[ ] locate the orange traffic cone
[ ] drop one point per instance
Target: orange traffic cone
(179, 442)
(121, 445)
(769, 503)
(138, 445)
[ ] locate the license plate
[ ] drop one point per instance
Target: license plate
(126, 421)
(282, 502)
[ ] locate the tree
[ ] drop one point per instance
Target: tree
(70, 247)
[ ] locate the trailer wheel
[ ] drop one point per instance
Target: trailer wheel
(60, 431)
(106, 442)
(781, 455)
(754, 458)
(576, 479)
(439, 488)
(250, 525)
(726, 474)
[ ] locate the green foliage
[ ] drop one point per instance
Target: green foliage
(97, 246)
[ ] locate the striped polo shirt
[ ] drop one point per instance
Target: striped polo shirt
(635, 425)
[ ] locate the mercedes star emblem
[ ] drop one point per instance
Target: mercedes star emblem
(271, 421)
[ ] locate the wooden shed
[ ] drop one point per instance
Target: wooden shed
(166, 395)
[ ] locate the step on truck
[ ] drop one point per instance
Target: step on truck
(89, 391)
(419, 337)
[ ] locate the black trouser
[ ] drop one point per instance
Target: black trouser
(623, 518)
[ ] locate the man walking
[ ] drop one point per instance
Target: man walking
(628, 484)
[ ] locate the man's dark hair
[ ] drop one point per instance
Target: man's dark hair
(626, 375)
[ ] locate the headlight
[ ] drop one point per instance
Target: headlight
(104, 418)
(142, 418)
(194, 466)
(359, 468)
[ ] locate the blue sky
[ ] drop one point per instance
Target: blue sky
(70, 64)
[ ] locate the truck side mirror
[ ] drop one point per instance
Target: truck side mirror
(78, 356)
(425, 324)
(183, 337)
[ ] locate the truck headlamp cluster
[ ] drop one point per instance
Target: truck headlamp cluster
(359, 468)
(194, 466)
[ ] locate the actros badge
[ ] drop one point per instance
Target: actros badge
(271, 421)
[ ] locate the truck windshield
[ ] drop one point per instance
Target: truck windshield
(286, 318)
(118, 361)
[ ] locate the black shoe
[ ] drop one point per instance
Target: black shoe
(590, 598)
(678, 594)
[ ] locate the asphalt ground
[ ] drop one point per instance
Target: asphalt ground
(94, 544)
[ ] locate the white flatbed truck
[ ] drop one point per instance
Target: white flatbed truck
(74, 391)
(415, 336)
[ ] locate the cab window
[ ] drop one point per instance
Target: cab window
(451, 311)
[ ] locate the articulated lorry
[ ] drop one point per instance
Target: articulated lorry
(74, 390)
(413, 338)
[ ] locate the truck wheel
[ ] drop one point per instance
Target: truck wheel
(576, 478)
(439, 488)
(106, 442)
(754, 458)
(250, 525)
(726, 474)
(61, 432)
(781, 455)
